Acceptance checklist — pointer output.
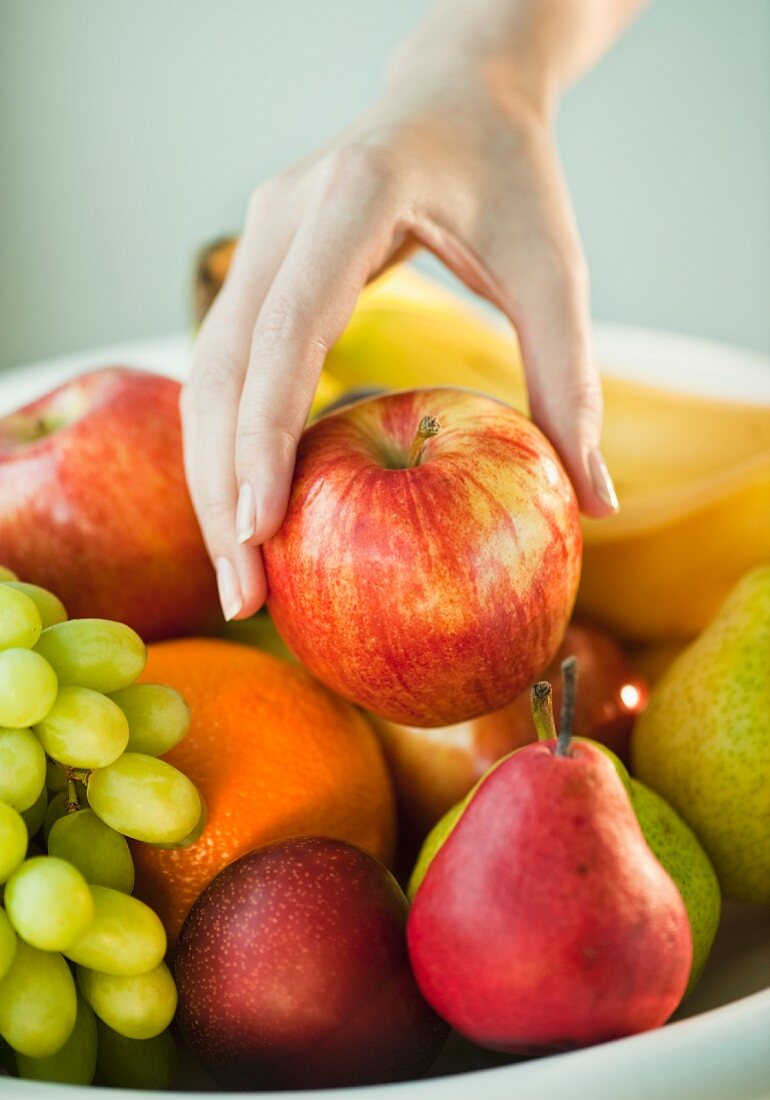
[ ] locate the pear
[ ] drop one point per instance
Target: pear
(672, 842)
(544, 921)
(704, 741)
(677, 848)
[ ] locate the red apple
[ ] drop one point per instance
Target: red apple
(430, 556)
(433, 769)
(293, 972)
(93, 503)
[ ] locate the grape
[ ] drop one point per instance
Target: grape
(7, 574)
(27, 687)
(35, 815)
(57, 809)
(22, 768)
(7, 944)
(38, 1002)
(50, 608)
(136, 1063)
(7, 1057)
(195, 833)
(93, 653)
(55, 777)
(158, 717)
(83, 729)
(75, 1063)
(20, 623)
(100, 854)
(145, 798)
(49, 903)
(139, 1006)
(125, 937)
(13, 840)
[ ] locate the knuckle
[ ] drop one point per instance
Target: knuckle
(260, 433)
(214, 377)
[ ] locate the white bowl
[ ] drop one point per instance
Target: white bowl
(718, 1045)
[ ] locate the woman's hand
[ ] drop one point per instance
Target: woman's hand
(451, 165)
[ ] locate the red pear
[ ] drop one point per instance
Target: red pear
(293, 972)
(544, 921)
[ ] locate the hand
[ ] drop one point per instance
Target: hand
(447, 167)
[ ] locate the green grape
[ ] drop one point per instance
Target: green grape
(50, 608)
(27, 687)
(7, 574)
(57, 809)
(7, 944)
(20, 623)
(75, 1062)
(158, 717)
(38, 1002)
(125, 937)
(55, 777)
(35, 815)
(139, 1006)
(49, 903)
(22, 768)
(136, 1063)
(195, 833)
(83, 729)
(93, 653)
(13, 840)
(7, 1058)
(100, 854)
(145, 798)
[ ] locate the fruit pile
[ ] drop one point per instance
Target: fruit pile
(82, 972)
(234, 865)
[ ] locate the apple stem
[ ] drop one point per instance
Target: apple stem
(428, 427)
(569, 674)
(541, 701)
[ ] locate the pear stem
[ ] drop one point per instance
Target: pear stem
(541, 701)
(428, 426)
(569, 675)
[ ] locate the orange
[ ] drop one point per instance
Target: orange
(274, 754)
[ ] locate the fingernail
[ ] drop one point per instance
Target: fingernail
(600, 477)
(229, 589)
(245, 513)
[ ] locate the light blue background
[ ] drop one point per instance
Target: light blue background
(131, 131)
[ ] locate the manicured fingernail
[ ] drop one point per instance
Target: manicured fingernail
(245, 513)
(229, 589)
(600, 477)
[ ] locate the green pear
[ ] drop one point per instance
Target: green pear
(672, 842)
(676, 846)
(704, 741)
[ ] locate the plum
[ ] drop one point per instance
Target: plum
(293, 972)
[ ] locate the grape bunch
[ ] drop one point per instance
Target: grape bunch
(83, 984)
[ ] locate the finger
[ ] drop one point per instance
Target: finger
(345, 234)
(210, 409)
(523, 254)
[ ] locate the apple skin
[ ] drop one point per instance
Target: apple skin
(433, 769)
(426, 593)
(293, 972)
(95, 507)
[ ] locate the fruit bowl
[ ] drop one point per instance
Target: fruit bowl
(718, 1044)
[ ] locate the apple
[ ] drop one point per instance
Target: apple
(429, 559)
(433, 769)
(94, 506)
(293, 972)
